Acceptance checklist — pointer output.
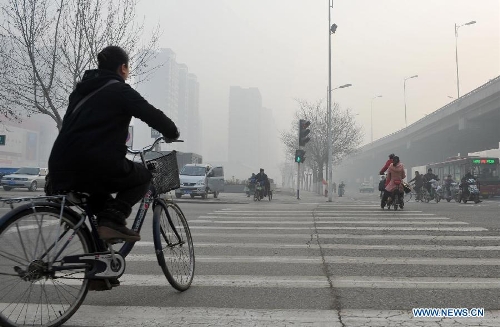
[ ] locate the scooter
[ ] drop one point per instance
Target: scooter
(341, 191)
(468, 193)
(449, 192)
(396, 198)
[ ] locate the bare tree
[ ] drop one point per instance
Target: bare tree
(48, 44)
(346, 136)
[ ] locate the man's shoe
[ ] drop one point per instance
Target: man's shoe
(111, 231)
(99, 285)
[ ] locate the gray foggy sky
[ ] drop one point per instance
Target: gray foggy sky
(281, 47)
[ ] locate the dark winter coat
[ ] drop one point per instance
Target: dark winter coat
(92, 141)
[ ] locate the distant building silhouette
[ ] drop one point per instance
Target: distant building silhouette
(175, 91)
(245, 106)
(252, 135)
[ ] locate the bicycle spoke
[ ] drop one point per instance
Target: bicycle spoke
(35, 288)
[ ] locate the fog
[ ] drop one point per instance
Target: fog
(280, 48)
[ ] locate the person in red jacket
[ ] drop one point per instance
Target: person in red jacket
(386, 166)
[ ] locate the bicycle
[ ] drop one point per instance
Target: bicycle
(50, 250)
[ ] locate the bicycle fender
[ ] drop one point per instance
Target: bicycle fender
(31, 205)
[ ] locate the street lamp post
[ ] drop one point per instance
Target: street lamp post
(330, 141)
(371, 119)
(456, 51)
(404, 92)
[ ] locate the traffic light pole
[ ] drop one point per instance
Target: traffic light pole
(298, 181)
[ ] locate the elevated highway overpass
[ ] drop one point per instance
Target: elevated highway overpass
(468, 124)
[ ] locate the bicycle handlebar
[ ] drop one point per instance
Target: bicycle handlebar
(150, 147)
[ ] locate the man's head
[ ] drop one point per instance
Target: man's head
(429, 170)
(395, 160)
(391, 156)
(417, 173)
(449, 176)
(261, 170)
(253, 174)
(114, 59)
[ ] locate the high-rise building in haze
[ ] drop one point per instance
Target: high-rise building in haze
(245, 106)
(175, 91)
(253, 137)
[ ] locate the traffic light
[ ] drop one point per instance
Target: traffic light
(300, 156)
(303, 132)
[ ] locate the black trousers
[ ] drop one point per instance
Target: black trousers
(130, 185)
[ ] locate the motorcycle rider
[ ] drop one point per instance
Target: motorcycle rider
(419, 182)
(251, 185)
(261, 178)
(395, 172)
(464, 184)
(341, 188)
(381, 185)
(427, 180)
(447, 185)
(386, 166)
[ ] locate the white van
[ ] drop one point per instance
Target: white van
(200, 180)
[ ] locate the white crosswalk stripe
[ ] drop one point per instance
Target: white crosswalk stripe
(289, 250)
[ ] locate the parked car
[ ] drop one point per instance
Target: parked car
(25, 177)
(366, 187)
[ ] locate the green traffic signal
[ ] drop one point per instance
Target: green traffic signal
(300, 156)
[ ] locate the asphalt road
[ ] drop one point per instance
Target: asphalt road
(308, 262)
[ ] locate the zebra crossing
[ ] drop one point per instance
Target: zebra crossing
(338, 264)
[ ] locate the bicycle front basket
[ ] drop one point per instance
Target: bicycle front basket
(165, 172)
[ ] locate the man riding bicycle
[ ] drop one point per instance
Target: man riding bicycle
(89, 154)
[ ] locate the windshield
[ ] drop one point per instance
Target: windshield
(486, 172)
(193, 171)
(28, 171)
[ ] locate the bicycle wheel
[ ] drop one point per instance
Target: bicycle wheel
(35, 289)
(173, 245)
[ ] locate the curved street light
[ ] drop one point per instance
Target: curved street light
(371, 119)
(456, 51)
(404, 92)
(329, 145)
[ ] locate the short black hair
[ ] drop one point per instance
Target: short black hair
(111, 58)
(391, 156)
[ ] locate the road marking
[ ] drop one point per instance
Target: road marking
(406, 217)
(455, 283)
(314, 245)
(132, 316)
(309, 212)
(353, 236)
(365, 222)
(433, 261)
(372, 228)
(128, 316)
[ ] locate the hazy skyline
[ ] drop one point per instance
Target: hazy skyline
(281, 47)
